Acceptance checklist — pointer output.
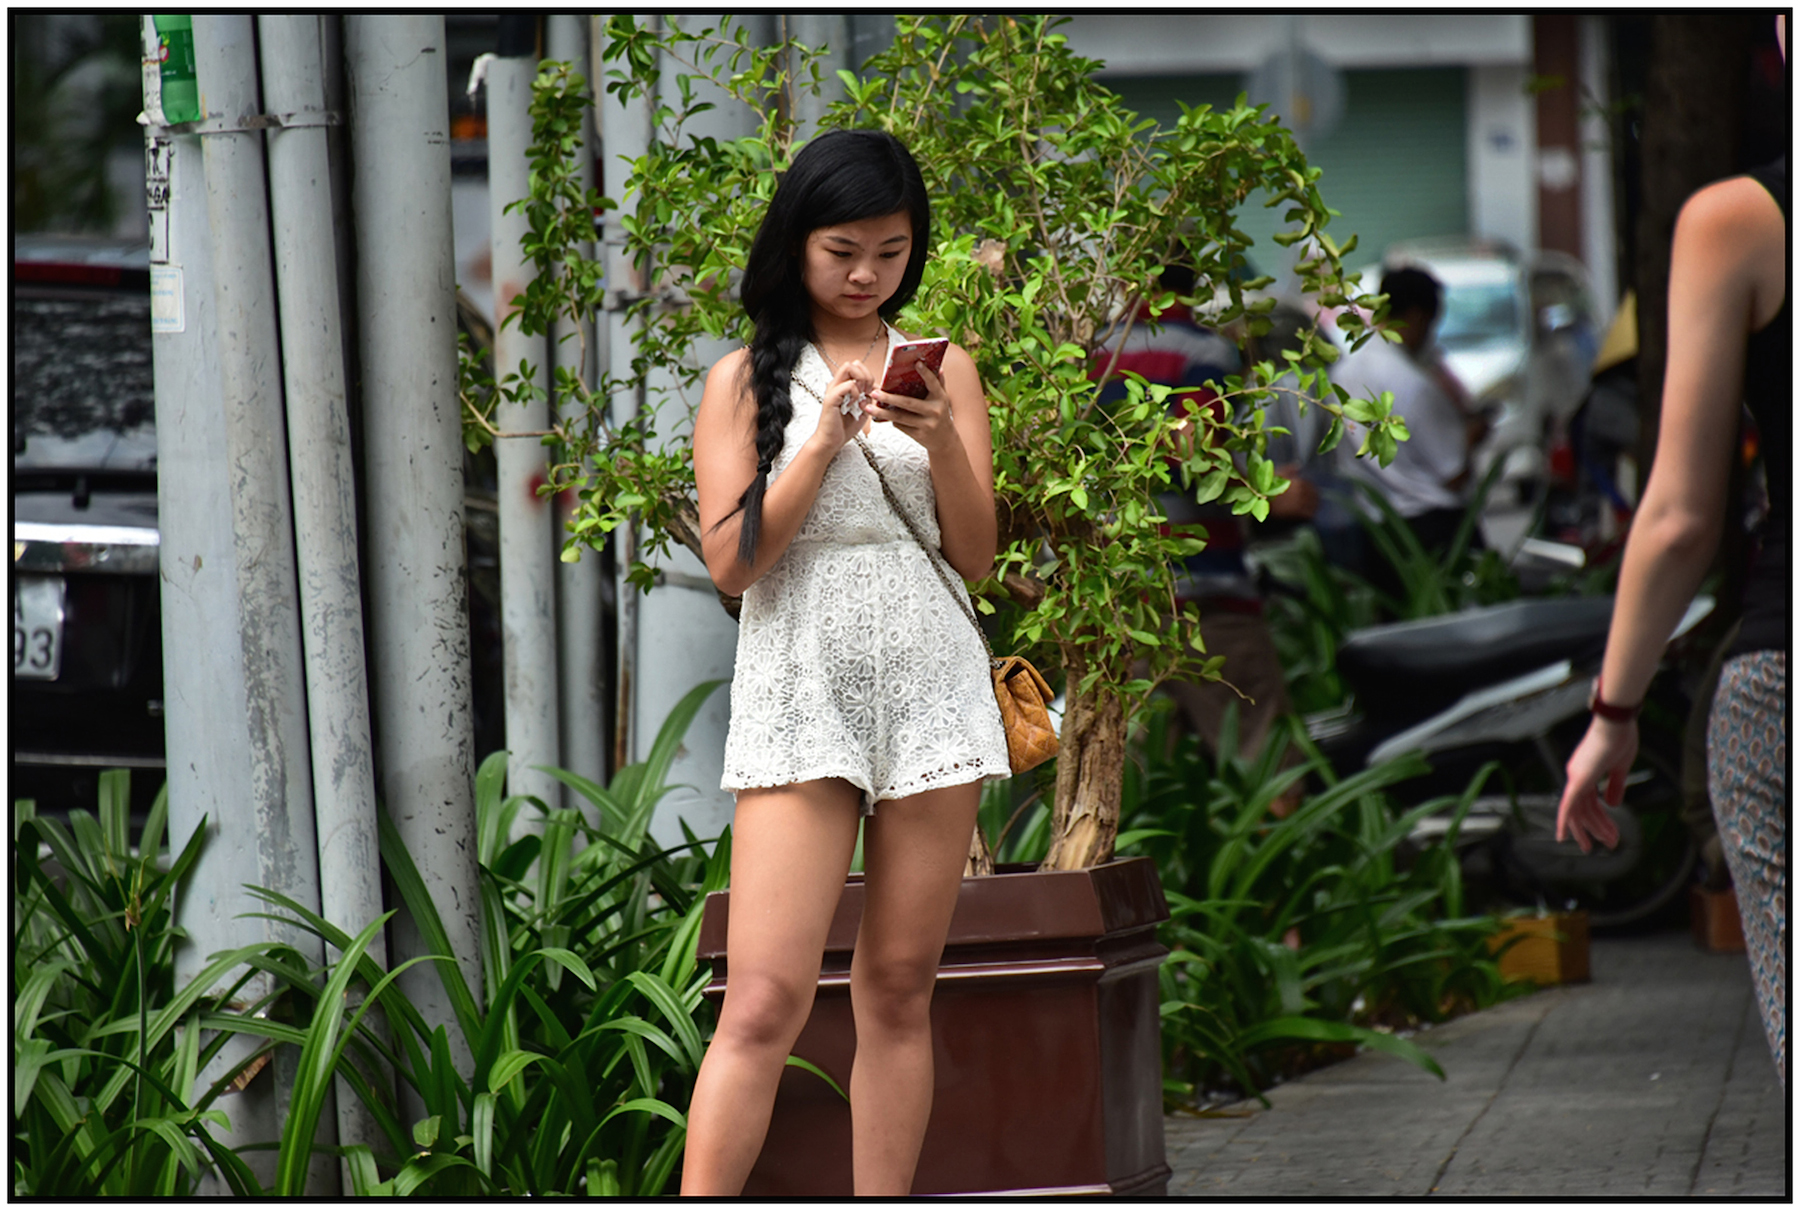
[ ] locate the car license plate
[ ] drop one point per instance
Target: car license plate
(37, 627)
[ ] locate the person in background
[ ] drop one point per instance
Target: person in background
(1175, 350)
(1427, 480)
(1730, 340)
(1318, 495)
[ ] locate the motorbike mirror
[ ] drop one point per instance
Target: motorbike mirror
(1697, 610)
(1561, 553)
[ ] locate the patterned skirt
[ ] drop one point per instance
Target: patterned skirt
(1746, 758)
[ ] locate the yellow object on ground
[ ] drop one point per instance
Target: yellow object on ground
(1551, 949)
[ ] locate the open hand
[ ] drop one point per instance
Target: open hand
(1604, 756)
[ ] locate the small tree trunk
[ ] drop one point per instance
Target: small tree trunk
(981, 858)
(1089, 776)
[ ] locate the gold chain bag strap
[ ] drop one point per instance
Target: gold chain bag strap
(1021, 691)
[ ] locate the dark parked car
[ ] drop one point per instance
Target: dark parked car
(87, 652)
(87, 621)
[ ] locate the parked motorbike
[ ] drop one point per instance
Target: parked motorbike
(1509, 683)
(1587, 505)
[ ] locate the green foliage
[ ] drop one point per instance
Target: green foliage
(1058, 208)
(584, 1037)
(106, 1052)
(586, 1044)
(1324, 601)
(1322, 927)
(77, 87)
(1054, 209)
(1015, 817)
(591, 1029)
(1308, 623)
(1458, 578)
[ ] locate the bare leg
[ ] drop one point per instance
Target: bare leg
(913, 853)
(790, 851)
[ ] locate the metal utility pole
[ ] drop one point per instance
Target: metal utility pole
(406, 293)
(831, 31)
(580, 586)
(204, 697)
(527, 538)
(625, 132)
(677, 636)
(248, 352)
(235, 712)
(324, 484)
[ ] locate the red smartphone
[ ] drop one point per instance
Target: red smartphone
(901, 374)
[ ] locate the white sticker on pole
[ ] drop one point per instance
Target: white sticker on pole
(159, 157)
(166, 311)
(153, 110)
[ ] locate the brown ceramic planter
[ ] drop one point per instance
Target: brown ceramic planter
(1047, 1042)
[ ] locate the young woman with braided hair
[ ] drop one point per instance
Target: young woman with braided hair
(858, 680)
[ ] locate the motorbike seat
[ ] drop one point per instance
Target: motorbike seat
(1412, 669)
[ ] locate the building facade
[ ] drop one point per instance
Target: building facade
(1424, 124)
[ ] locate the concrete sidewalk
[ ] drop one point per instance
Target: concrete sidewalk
(1652, 1081)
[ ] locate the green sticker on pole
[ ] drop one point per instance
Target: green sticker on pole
(180, 88)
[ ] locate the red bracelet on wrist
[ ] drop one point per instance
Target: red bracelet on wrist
(1608, 711)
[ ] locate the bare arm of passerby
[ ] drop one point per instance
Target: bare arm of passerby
(1299, 501)
(1726, 280)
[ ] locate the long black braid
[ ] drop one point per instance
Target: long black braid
(773, 355)
(840, 177)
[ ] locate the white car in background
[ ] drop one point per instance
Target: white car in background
(1519, 334)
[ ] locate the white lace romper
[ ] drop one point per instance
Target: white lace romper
(852, 661)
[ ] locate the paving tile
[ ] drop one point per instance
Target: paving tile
(1746, 1153)
(1652, 1081)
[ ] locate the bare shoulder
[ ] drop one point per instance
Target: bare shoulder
(727, 383)
(1734, 213)
(729, 371)
(722, 409)
(1732, 234)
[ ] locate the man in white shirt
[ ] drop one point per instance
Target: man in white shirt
(1425, 482)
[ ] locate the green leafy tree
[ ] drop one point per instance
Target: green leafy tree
(1054, 208)
(77, 87)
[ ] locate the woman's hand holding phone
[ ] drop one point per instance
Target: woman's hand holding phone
(927, 421)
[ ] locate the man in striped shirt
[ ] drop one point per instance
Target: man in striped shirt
(1175, 350)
